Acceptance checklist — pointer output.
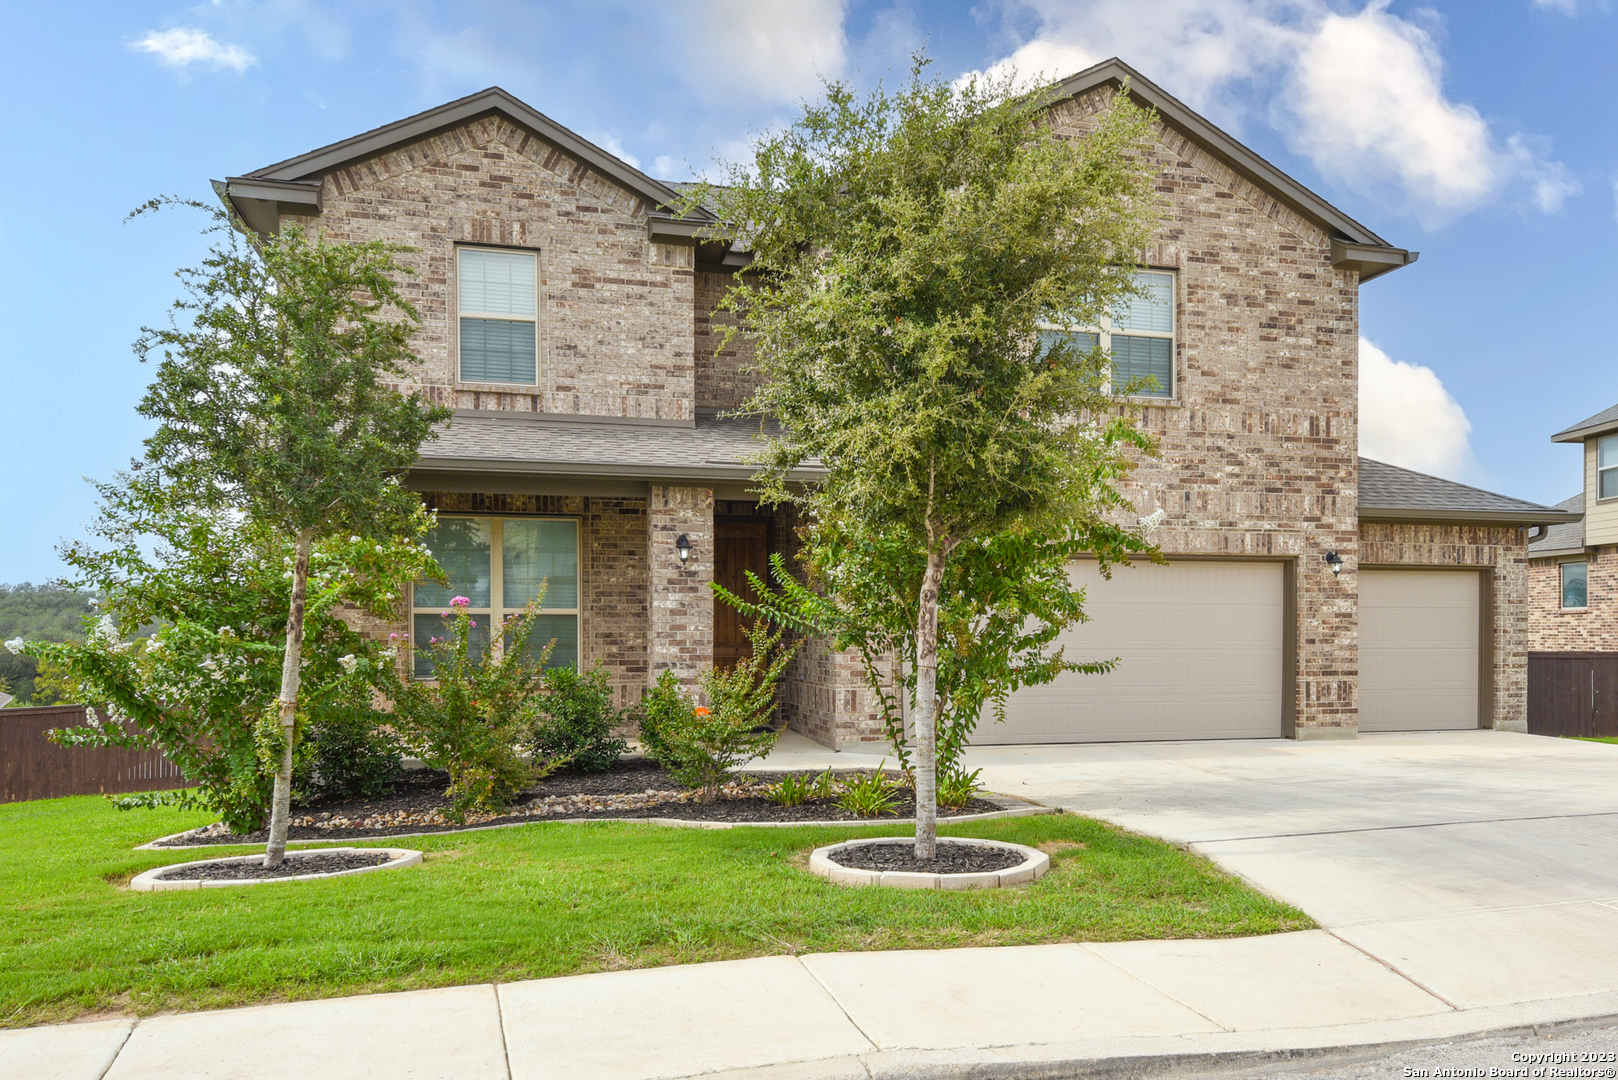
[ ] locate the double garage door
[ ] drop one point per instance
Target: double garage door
(1201, 656)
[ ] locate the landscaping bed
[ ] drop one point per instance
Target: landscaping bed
(296, 864)
(632, 788)
(947, 858)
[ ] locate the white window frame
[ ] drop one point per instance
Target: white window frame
(455, 293)
(497, 613)
(1104, 332)
(1613, 468)
(1561, 584)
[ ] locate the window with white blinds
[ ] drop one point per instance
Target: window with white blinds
(1607, 468)
(498, 306)
(1138, 338)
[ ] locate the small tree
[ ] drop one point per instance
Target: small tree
(909, 248)
(273, 399)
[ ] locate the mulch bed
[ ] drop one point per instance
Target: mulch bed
(633, 788)
(314, 862)
(949, 858)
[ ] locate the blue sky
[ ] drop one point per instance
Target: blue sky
(1482, 134)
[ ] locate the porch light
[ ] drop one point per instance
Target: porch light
(683, 546)
(1335, 561)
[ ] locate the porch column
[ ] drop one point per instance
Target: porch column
(681, 637)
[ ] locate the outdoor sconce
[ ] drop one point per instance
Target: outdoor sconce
(1335, 561)
(683, 546)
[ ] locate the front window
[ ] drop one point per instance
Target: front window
(1575, 584)
(500, 565)
(498, 305)
(1607, 468)
(1138, 336)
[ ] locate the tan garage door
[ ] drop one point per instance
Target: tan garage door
(1200, 650)
(1418, 650)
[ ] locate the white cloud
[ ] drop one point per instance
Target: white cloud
(1361, 95)
(1566, 7)
(611, 145)
(180, 47)
(769, 50)
(1407, 418)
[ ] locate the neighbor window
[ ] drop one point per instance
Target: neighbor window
(500, 565)
(1139, 337)
(1575, 584)
(498, 305)
(1607, 468)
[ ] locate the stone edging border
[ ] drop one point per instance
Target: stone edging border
(1035, 865)
(1031, 810)
(153, 881)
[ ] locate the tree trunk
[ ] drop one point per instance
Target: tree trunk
(927, 708)
(291, 664)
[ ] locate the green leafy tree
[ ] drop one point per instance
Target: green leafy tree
(910, 246)
(202, 686)
(276, 397)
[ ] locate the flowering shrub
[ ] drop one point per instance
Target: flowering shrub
(699, 745)
(471, 720)
(577, 719)
(211, 596)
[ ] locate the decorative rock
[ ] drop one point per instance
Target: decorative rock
(153, 880)
(1034, 866)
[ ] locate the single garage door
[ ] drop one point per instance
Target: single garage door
(1200, 658)
(1418, 649)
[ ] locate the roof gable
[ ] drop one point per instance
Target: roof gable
(294, 185)
(1389, 493)
(1603, 421)
(1354, 247)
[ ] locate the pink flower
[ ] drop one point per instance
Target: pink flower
(474, 622)
(459, 601)
(446, 614)
(432, 641)
(393, 637)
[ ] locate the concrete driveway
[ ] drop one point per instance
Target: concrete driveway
(1481, 865)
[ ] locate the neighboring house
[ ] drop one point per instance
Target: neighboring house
(569, 319)
(1573, 596)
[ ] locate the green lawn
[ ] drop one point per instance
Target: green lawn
(541, 900)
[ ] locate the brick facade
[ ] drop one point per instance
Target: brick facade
(723, 377)
(681, 626)
(1502, 550)
(1592, 629)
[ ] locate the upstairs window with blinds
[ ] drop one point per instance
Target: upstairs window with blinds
(1138, 337)
(498, 300)
(1607, 468)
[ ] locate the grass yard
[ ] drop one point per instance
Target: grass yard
(536, 901)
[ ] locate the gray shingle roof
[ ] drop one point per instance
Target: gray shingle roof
(711, 449)
(1568, 536)
(1589, 425)
(1389, 492)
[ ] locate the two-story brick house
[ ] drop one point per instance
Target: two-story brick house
(1573, 595)
(569, 319)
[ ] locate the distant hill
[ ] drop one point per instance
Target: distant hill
(40, 612)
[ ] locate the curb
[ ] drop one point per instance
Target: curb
(153, 881)
(1028, 810)
(1034, 866)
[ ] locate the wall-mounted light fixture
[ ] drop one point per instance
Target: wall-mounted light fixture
(683, 546)
(1335, 561)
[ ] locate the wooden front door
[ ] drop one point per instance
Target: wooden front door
(739, 546)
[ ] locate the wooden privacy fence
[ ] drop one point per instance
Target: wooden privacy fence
(1573, 693)
(33, 767)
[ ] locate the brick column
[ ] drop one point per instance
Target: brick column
(681, 638)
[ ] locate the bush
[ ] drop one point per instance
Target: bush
(347, 754)
(482, 707)
(577, 720)
(872, 795)
(699, 745)
(956, 786)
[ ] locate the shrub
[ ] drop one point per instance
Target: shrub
(870, 795)
(956, 786)
(699, 745)
(484, 704)
(793, 790)
(577, 720)
(346, 753)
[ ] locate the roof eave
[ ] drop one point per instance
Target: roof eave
(613, 470)
(260, 202)
(1573, 435)
(1554, 553)
(1467, 517)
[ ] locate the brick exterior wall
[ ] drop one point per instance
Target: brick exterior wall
(723, 379)
(1502, 548)
(681, 630)
(1593, 629)
(616, 334)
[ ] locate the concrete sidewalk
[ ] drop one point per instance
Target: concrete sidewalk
(1022, 1011)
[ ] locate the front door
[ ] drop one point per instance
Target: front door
(739, 546)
